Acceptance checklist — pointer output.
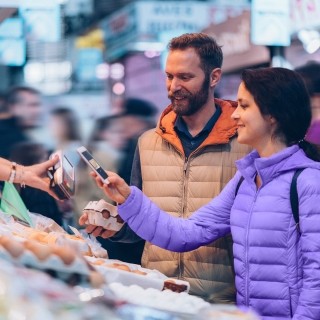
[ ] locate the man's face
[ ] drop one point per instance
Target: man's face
(188, 86)
(28, 110)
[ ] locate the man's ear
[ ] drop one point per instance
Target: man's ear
(215, 77)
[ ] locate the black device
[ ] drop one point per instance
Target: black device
(92, 163)
(62, 177)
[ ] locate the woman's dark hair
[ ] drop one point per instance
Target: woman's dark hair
(28, 153)
(282, 94)
(206, 47)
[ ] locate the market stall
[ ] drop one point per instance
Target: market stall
(47, 273)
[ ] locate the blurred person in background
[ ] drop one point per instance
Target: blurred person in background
(118, 135)
(25, 104)
(20, 113)
(10, 131)
(65, 128)
(37, 201)
(138, 117)
(186, 161)
(311, 75)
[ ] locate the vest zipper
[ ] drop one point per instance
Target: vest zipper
(181, 255)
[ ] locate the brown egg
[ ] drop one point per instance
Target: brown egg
(41, 251)
(120, 266)
(96, 279)
(66, 254)
(14, 247)
(39, 236)
(139, 272)
(98, 262)
(51, 239)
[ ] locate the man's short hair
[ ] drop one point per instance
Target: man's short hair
(13, 95)
(208, 50)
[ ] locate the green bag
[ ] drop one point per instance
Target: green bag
(12, 204)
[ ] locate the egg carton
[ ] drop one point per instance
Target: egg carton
(54, 265)
(146, 278)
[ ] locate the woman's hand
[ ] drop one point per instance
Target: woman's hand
(115, 187)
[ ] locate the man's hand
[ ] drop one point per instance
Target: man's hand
(96, 230)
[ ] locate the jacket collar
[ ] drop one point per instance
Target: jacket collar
(223, 130)
(288, 159)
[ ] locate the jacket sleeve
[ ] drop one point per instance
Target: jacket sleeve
(309, 199)
(177, 234)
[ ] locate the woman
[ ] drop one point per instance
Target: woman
(65, 128)
(277, 267)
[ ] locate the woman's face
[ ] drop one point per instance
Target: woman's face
(253, 129)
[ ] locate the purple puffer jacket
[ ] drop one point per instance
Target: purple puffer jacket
(277, 270)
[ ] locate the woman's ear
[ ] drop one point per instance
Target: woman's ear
(272, 120)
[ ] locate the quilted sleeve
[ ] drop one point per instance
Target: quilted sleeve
(309, 205)
(177, 234)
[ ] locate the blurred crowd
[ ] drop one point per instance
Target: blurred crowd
(112, 142)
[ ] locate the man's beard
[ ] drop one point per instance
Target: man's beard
(191, 102)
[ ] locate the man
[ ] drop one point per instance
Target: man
(10, 131)
(25, 104)
(187, 161)
(19, 111)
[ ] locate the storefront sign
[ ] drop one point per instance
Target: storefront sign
(234, 37)
(156, 17)
(305, 14)
(270, 22)
(144, 21)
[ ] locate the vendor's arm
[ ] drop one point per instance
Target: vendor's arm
(34, 176)
(152, 224)
(309, 199)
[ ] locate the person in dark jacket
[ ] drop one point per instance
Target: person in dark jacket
(10, 131)
(311, 75)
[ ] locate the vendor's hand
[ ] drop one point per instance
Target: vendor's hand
(36, 176)
(97, 231)
(115, 187)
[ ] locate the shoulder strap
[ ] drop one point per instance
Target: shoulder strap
(238, 185)
(294, 200)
